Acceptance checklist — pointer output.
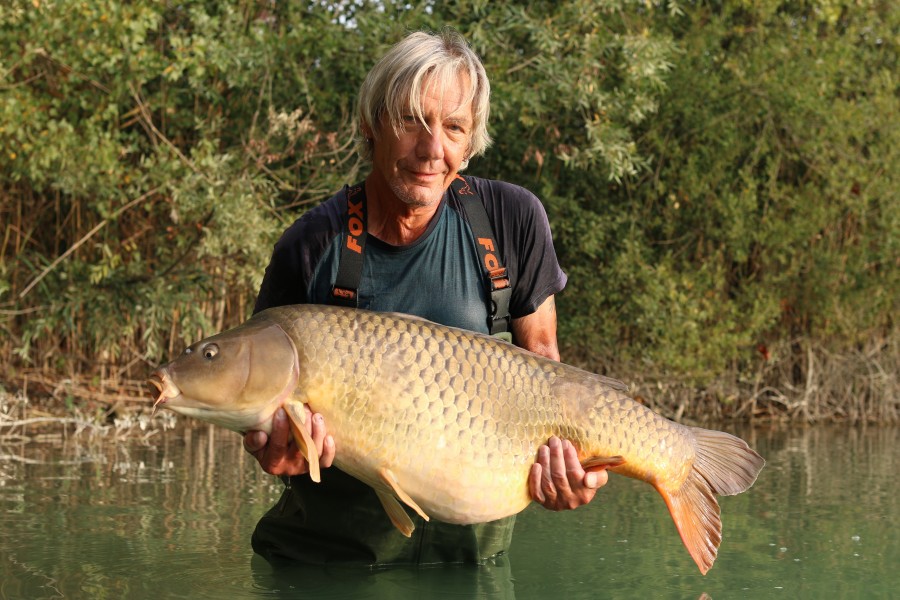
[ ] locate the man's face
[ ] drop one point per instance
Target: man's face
(419, 165)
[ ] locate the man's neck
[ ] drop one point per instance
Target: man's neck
(390, 219)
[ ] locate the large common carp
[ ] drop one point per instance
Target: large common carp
(447, 421)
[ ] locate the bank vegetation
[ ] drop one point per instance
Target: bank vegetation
(721, 179)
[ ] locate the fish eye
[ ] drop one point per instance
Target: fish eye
(210, 351)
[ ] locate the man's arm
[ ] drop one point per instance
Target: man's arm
(557, 480)
(537, 331)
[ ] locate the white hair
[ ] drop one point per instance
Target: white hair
(394, 86)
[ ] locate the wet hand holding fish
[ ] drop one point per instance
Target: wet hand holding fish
(447, 421)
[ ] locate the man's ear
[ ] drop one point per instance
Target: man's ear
(366, 131)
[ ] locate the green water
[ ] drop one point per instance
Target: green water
(170, 517)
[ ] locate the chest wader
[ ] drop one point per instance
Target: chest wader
(341, 520)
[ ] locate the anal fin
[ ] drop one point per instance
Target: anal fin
(389, 478)
(297, 418)
(396, 513)
(599, 463)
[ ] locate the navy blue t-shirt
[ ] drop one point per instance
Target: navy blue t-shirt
(437, 277)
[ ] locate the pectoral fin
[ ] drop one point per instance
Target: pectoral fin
(599, 463)
(396, 513)
(297, 418)
(389, 478)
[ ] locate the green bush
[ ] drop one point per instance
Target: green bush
(720, 177)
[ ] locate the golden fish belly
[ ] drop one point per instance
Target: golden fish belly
(457, 417)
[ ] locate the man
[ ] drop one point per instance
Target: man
(423, 113)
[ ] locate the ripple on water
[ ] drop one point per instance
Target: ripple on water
(175, 520)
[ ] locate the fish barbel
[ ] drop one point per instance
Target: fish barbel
(446, 421)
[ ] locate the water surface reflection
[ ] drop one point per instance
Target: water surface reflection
(171, 518)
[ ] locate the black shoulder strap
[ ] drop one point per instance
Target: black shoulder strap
(496, 277)
(346, 284)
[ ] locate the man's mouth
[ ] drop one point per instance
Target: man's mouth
(423, 173)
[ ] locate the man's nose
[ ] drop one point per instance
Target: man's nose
(431, 143)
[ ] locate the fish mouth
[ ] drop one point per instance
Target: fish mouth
(162, 388)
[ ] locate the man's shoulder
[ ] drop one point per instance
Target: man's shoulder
(508, 203)
(321, 222)
(523, 232)
(500, 190)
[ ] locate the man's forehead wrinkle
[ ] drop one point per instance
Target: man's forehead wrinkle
(446, 92)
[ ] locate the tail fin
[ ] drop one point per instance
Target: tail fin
(723, 465)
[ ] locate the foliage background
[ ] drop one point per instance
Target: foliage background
(720, 177)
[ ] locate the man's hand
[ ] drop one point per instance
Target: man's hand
(278, 453)
(557, 480)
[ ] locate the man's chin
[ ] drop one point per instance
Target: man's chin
(417, 196)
